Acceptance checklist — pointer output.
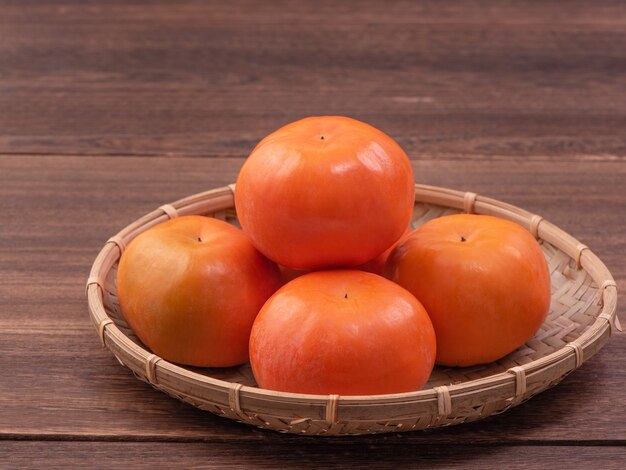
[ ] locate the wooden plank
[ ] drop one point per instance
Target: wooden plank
(313, 453)
(210, 78)
(57, 211)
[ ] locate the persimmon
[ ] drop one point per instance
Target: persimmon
(483, 280)
(324, 192)
(344, 332)
(190, 289)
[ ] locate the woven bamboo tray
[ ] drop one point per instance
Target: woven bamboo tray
(581, 319)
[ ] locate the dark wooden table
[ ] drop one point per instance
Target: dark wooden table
(109, 109)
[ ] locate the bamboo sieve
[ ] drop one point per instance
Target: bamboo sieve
(582, 317)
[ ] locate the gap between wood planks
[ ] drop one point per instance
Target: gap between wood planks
(431, 156)
(393, 439)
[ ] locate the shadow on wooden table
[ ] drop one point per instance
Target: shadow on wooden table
(554, 426)
(488, 443)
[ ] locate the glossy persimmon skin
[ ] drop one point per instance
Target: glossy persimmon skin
(483, 280)
(190, 288)
(343, 332)
(325, 191)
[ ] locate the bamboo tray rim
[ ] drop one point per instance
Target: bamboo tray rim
(576, 352)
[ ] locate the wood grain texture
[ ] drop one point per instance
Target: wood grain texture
(519, 100)
(381, 454)
(455, 79)
(74, 205)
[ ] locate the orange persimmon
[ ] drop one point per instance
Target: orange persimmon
(190, 289)
(483, 280)
(325, 191)
(345, 332)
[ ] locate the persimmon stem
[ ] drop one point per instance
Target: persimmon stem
(463, 238)
(199, 239)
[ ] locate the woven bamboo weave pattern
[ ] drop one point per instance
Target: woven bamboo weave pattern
(580, 321)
